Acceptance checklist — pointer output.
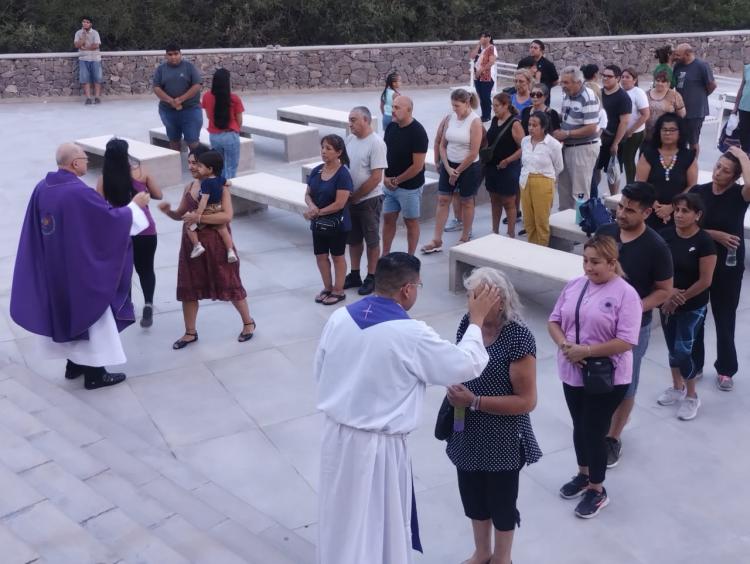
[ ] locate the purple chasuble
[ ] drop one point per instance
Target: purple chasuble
(74, 260)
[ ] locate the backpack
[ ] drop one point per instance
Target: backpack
(593, 215)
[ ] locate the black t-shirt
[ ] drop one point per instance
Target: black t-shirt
(667, 189)
(401, 144)
(554, 119)
(724, 212)
(686, 255)
(645, 260)
(548, 72)
(616, 104)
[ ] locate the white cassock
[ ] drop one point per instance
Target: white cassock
(103, 347)
(373, 365)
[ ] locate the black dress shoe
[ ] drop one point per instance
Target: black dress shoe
(73, 370)
(367, 286)
(100, 378)
(352, 280)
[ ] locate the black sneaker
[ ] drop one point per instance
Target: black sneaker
(592, 503)
(352, 280)
(88, 102)
(614, 451)
(100, 378)
(575, 487)
(368, 286)
(147, 320)
(73, 370)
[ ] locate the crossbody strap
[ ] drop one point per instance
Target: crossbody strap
(578, 309)
(508, 124)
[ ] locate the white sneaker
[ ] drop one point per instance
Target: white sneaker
(197, 251)
(670, 396)
(688, 409)
(231, 256)
(454, 225)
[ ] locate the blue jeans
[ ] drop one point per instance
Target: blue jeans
(90, 72)
(484, 91)
(680, 330)
(639, 351)
(227, 144)
(186, 122)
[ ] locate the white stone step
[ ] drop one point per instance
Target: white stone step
(16, 494)
(56, 537)
(14, 550)
(188, 540)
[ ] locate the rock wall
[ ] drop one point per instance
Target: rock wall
(353, 66)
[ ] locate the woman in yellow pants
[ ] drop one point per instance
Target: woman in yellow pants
(541, 163)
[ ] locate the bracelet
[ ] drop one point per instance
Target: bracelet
(475, 403)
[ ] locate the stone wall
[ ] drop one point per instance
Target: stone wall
(352, 66)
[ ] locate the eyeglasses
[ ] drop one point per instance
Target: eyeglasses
(608, 76)
(417, 284)
(537, 95)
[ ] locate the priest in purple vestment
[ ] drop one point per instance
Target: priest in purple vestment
(71, 283)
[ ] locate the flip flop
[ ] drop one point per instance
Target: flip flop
(333, 299)
(322, 296)
(431, 247)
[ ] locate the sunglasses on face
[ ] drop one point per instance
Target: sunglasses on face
(537, 95)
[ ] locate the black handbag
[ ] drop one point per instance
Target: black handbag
(444, 421)
(599, 371)
(486, 154)
(328, 223)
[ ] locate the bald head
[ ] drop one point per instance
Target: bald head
(684, 53)
(401, 110)
(70, 156)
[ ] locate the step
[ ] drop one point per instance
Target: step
(14, 550)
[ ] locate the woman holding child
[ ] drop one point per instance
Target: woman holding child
(210, 275)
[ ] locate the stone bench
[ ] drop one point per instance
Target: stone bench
(164, 165)
(300, 141)
(262, 189)
(158, 136)
(307, 114)
(563, 229)
(532, 269)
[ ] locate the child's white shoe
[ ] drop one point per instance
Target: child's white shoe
(197, 251)
(231, 256)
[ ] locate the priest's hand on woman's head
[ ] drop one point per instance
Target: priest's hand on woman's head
(481, 301)
(141, 199)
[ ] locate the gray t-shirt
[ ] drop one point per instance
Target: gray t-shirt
(176, 80)
(692, 81)
(366, 155)
(91, 38)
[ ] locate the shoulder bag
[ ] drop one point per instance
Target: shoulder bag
(486, 154)
(599, 371)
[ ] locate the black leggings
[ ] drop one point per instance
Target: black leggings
(144, 249)
(591, 416)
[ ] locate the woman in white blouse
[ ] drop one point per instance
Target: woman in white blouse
(637, 122)
(541, 164)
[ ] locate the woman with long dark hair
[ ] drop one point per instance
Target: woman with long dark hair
(122, 177)
(224, 112)
(392, 84)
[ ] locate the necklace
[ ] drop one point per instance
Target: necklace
(667, 169)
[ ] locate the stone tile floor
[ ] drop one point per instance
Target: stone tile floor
(244, 414)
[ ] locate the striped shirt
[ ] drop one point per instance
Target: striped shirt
(579, 110)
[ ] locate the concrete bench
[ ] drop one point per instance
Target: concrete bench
(307, 114)
(532, 269)
(158, 136)
(164, 165)
(563, 228)
(300, 141)
(262, 189)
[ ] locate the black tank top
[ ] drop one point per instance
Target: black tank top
(507, 145)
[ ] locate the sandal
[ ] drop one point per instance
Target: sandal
(322, 296)
(333, 299)
(181, 343)
(247, 336)
(432, 247)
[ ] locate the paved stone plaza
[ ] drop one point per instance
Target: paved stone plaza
(240, 419)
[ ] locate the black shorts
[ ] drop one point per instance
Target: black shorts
(467, 183)
(491, 495)
(603, 160)
(330, 243)
(366, 222)
(693, 128)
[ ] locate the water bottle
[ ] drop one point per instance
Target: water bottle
(731, 257)
(579, 203)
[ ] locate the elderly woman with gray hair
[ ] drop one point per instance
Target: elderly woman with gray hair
(497, 439)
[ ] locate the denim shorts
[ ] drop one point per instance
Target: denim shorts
(186, 122)
(407, 201)
(90, 72)
(639, 351)
(468, 181)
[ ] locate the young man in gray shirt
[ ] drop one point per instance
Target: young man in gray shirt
(695, 83)
(87, 41)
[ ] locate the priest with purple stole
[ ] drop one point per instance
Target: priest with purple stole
(71, 283)
(373, 365)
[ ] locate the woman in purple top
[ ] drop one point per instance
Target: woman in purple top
(123, 177)
(609, 323)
